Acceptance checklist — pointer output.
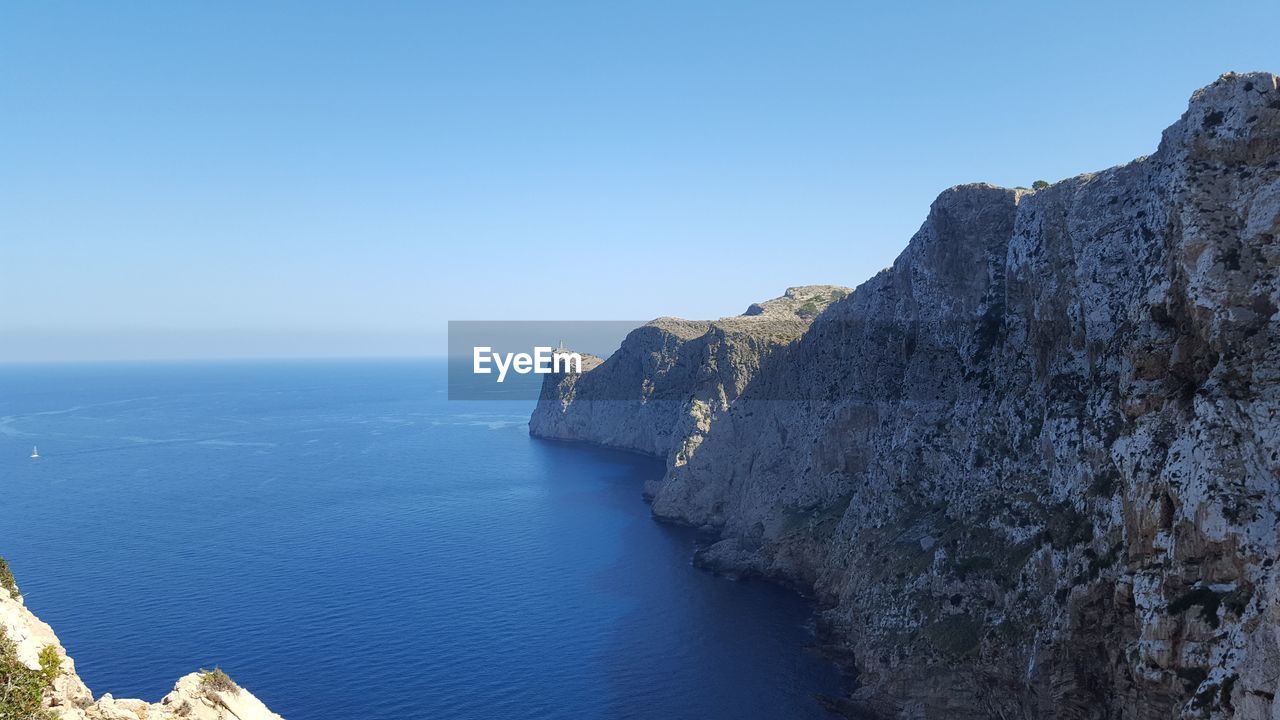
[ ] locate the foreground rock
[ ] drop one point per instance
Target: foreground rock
(1033, 469)
(198, 696)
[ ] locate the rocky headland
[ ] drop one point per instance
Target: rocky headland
(657, 394)
(38, 680)
(1032, 470)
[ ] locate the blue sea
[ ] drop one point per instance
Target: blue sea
(346, 543)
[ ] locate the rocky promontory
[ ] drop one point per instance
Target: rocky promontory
(658, 393)
(1029, 471)
(38, 680)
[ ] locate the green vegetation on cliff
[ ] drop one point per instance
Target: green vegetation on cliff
(218, 681)
(7, 581)
(22, 688)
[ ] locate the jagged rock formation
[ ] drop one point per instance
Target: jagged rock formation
(194, 697)
(657, 393)
(1032, 470)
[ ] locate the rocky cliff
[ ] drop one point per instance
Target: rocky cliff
(1032, 470)
(657, 393)
(38, 681)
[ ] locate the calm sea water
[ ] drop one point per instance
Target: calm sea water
(348, 544)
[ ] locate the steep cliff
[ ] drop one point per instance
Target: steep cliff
(38, 681)
(1030, 470)
(657, 393)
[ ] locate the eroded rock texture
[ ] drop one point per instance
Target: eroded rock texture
(1030, 470)
(657, 393)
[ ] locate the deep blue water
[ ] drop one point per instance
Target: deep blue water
(348, 544)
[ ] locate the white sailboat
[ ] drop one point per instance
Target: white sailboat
(34, 453)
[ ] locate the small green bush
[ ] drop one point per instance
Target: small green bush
(1067, 527)
(972, 564)
(21, 688)
(7, 581)
(809, 309)
(50, 663)
(217, 681)
(958, 635)
(1224, 696)
(1039, 185)
(1207, 600)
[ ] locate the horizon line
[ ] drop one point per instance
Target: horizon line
(232, 359)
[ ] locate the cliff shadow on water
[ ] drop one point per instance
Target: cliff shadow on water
(672, 615)
(1029, 470)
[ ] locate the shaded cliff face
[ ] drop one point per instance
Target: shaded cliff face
(33, 644)
(657, 393)
(1031, 469)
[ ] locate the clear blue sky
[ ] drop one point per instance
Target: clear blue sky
(185, 179)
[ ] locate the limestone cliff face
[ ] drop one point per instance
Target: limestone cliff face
(67, 698)
(658, 392)
(1032, 470)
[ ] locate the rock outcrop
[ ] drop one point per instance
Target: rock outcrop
(657, 393)
(1032, 470)
(33, 644)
